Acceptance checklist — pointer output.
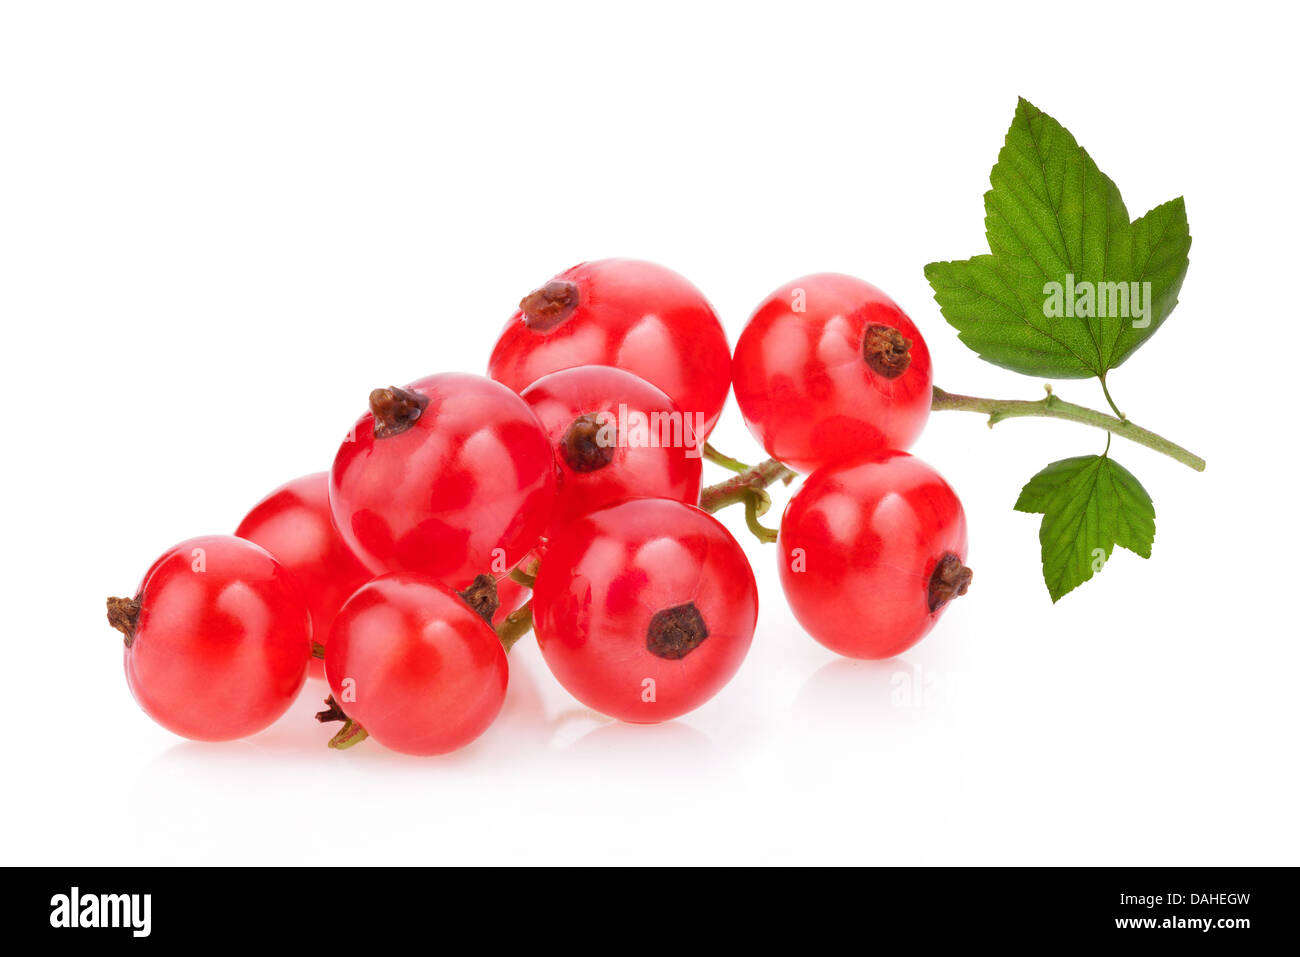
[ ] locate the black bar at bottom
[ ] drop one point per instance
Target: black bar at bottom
(335, 907)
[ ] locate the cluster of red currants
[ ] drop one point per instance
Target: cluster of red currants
(563, 494)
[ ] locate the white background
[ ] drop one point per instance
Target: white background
(222, 224)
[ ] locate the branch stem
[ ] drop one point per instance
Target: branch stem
(740, 487)
(1053, 407)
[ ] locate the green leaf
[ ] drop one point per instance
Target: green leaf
(1054, 297)
(1161, 242)
(1089, 505)
(1053, 213)
(983, 305)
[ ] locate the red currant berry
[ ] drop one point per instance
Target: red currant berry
(217, 639)
(645, 610)
(293, 523)
(415, 666)
(615, 437)
(625, 313)
(829, 367)
(872, 551)
(447, 478)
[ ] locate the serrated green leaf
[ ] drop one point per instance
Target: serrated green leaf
(982, 304)
(1161, 243)
(1055, 222)
(1089, 505)
(1052, 213)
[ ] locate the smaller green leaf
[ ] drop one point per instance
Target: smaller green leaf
(1089, 505)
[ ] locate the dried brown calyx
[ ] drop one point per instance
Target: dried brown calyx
(950, 579)
(886, 350)
(481, 596)
(583, 447)
(549, 305)
(124, 615)
(395, 410)
(676, 632)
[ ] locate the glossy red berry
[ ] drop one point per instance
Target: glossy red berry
(633, 315)
(293, 523)
(644, 610)
(448, 478)
(829, 367)
(615, 437)
(413, 665)
(217, 639)
(872, 552)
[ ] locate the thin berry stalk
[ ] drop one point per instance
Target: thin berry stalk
(515, 626)
(726, 461)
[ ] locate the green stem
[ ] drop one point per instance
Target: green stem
(726, 461)
(738, 488)
(1054, 408)
(1109, 401)
(351, 733)
(759, 530)
(515, 626)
